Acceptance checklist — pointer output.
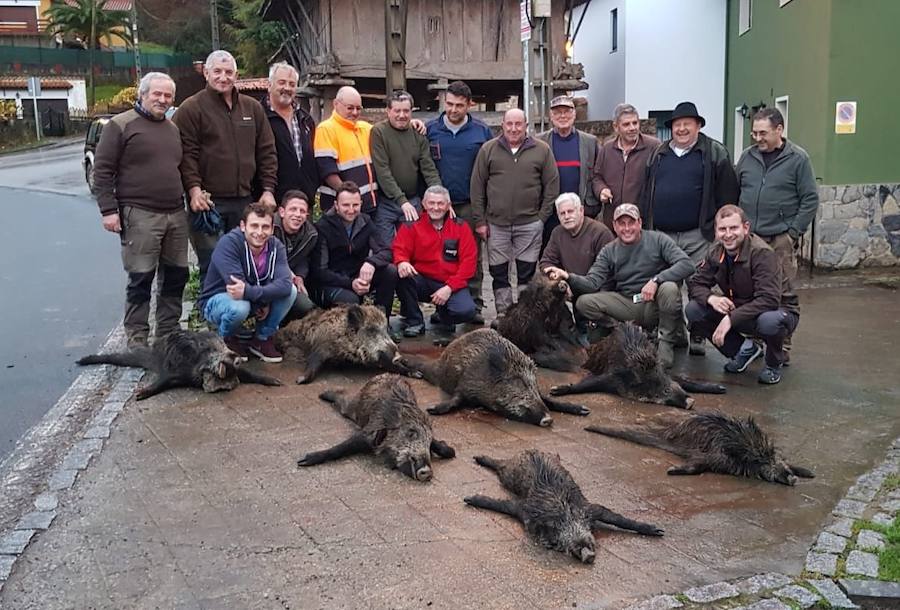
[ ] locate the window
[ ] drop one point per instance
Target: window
(661, 116)
(782, 103)
(614, 30)
(745, 16)
(782, 2)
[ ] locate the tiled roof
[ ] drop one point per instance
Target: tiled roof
(252, 84)
(19, 82)
(110, 5)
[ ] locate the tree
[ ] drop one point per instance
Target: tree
(255, 40)
(73, 19)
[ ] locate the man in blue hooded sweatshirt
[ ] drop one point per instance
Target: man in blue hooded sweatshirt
(249, 273)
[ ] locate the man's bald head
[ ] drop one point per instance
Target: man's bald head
(348, 103)
(514, 127)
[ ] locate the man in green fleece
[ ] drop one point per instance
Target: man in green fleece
(634, 278)
(403, 166)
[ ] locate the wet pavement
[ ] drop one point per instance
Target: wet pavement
(195, 501)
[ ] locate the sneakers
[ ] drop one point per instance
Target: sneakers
(770, 375)
(739, 363)
(414, 330)
(666, 354)
(264, 349)
(238, 347)
(697, 346)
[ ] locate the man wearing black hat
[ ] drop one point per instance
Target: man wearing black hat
(689, 177)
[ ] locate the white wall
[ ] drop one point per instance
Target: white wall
(677, 53)
(603, 71)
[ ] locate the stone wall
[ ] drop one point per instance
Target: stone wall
(858, 225)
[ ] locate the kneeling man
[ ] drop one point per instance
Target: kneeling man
(435, 258)
(757, 300)
(634, 278)
(249, 273)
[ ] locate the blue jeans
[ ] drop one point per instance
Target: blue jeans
(388, 217)
(228, 314)
(458, 309)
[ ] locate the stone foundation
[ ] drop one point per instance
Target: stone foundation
(857, 225)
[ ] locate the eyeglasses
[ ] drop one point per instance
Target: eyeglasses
(348, 106)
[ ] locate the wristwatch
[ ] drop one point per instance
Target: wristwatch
(655, 279)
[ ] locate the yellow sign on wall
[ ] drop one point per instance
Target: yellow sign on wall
(845, 117)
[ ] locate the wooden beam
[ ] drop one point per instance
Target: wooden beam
(395, 14)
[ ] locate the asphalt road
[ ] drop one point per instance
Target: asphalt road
(61, 284)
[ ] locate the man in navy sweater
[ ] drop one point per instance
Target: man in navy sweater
(455, 138)
(248, 273)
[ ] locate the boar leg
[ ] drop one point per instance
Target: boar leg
(591, 383)
(488, 462)
(688, 468)
(602, 515)
(248, 376)
(357, 443)
(451, 404)
(564, 407)
(641, 437)
(802, 472)
(507, 507)
(314, 364)
(161, 384)
(442, 449)
(700, 387)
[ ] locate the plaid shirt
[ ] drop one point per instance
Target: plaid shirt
(295, 136)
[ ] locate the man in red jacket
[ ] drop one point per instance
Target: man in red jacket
(435, 258)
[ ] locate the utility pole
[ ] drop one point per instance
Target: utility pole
(214, 24)
(92, 43)
(134, 41)
(539, 66)
(395, 12)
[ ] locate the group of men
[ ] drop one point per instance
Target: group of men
(412, 209)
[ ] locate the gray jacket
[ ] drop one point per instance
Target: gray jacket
(781, 199)
(587, 152)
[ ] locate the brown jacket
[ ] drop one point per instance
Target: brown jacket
(624, 177)
(576, 253)
(753, 281)
(508, 189)
(223, 149)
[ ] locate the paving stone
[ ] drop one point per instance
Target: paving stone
(821, 563)
(711, 593)
(841, 526)
(62, 479)
(762, 582)
(77, 459)
(865, 564)
(870, 479)
(97, 432)
(36, 520)
(766, 604)
(868, 539)
(660, 602)
(882, 519)
(113, 406)
(801, 595)
(46, 501)
(849, 508)
(891, 506)
(832, 593)
(830, 543)
(862, 493)
(894, 495)
(15, 542)
(6, 564)
(871, 588)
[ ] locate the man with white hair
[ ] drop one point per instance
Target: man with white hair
(294, 131)
(514, 184)
(227, 142)
(138, 189)
(578, 239)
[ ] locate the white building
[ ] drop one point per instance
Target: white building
(67, 93)
(653, 54)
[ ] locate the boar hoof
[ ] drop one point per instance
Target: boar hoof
(582, 410)
(558, 390)
(302, 379)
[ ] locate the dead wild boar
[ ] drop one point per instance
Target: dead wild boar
(541, 325)
(348, 334)
(625, 363)
(714, 442)
(482, 369)
(185, 359)
(390, 425)
(550, 504)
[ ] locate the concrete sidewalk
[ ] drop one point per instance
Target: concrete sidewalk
(196, 501)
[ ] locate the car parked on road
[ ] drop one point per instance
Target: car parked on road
(90, 147)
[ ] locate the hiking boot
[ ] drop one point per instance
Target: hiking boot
(264, 349)
(739, 363)
(666, 354)
(697, 346)
(477, 319)
(238, 347)
(438, 325)
(680, 339)
(414, 330)
(770, 375)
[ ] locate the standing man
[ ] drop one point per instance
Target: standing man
(689, 177)
(635, 278)
(514, 184)
(756, 299)
(226, 142)
(621, 162)
(456, 137)
(778, 188)
(403, 166)
(435, 259)
(299, 237)
(575, 152)
(138, 188)
(294, 130)
(249, 274)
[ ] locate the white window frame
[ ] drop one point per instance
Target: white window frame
(738, 132)
(614, 30)
(782, 103)
(745, 16)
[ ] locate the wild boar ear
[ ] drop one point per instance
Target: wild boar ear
(355, 317)
(379, 437)
(496, 361)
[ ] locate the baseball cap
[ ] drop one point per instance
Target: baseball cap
(562, 100)
(627, 209)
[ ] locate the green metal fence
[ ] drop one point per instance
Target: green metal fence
(78, 58)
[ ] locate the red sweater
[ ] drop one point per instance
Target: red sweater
(447, 255)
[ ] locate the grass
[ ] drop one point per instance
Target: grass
(889, 556)
(153, 47)
(891, 483)
(107, 92)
